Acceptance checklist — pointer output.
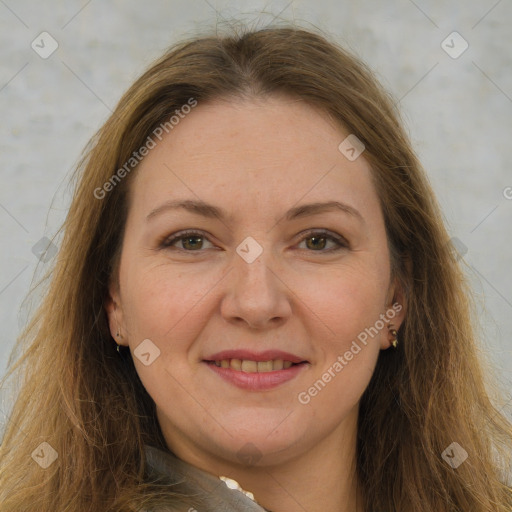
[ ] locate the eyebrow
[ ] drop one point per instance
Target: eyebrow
(214, 212)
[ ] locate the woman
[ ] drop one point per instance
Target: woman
(253, 230)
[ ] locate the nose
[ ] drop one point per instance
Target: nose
(256, 295)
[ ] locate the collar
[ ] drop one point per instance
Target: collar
(220, 494)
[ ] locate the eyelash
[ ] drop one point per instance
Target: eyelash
(343, 244)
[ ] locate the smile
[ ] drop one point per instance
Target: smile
(246, 365)
(256, 371)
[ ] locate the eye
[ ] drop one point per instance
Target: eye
(316, 240)
(320, 238)
(191, 241)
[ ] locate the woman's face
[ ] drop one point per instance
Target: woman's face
(261, 278)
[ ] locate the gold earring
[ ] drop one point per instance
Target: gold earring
(394, 341)
(118, 335)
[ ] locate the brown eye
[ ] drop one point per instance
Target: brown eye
(190, 241)
(317, 241)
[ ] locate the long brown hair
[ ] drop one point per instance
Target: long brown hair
(83, 399)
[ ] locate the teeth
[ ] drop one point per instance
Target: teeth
(254, 366)
(277, 364)
(264, 366)
(249, 366)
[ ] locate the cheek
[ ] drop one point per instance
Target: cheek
(349, 304)
(346, 301)
(162, 300)
(166, 306)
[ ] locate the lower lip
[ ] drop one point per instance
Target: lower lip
(256, 381)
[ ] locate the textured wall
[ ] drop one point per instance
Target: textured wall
(456, 101)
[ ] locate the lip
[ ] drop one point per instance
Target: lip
(248, 355)
(254, 381)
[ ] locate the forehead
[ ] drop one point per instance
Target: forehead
(259, 154)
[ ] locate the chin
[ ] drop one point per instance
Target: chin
(259, 447)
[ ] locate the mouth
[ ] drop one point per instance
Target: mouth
(249, 366)
(256, 372)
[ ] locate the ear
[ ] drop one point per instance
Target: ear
(396, 309)
(113, 307)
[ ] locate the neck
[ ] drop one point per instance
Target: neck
(320, 479)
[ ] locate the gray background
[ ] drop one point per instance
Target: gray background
(458, 112)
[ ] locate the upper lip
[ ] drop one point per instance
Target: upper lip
(248, 355)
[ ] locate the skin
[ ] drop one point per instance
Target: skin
(256, 159)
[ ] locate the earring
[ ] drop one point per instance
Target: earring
(118, 335)
(394, 341)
